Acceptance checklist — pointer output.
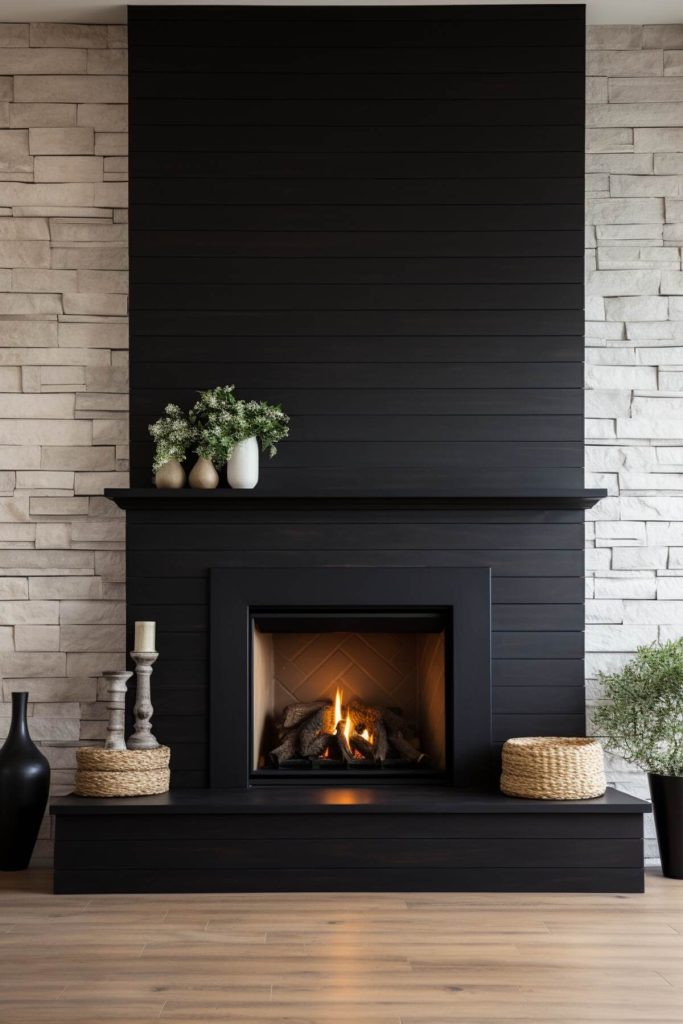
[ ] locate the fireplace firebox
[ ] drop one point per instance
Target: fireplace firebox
(350, 674)
(348, 691)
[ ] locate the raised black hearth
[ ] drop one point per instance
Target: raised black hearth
(215, 577)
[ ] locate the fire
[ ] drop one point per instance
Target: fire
(347, 722)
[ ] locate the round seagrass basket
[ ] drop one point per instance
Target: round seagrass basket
(122, 772)
(553, 768)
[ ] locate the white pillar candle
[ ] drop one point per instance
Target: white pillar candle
(145, 636)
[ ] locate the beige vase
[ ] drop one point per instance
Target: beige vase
(170, 476)
(203, 475)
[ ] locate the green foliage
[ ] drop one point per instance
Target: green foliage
(172, 435)
(215, 424)
(643, 719)
(220, 420)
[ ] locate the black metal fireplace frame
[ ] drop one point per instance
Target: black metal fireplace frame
(462, 594)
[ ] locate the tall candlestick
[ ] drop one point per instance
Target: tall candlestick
(143, 738)
(116, 688)
(145, 636)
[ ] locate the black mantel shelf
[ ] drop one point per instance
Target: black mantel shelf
(149, 499)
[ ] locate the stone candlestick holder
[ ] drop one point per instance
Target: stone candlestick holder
(143, 738)
(116, 689)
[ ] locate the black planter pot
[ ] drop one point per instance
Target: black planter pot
(24, 785)
(667, 803)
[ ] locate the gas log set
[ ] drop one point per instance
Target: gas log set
(325, 734)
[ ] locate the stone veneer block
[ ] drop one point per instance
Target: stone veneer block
(99, 89)
(57, 35)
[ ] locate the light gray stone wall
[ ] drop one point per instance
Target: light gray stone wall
(63, 377)
(634, 353)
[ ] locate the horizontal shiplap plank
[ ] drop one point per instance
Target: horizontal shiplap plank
(366, 218)
(534, 561)
(166, 15)
(350, 112)
(472, 138)
(359, 297)
(333, 322)
(333, 376)
(353, 851)
(551, 878)
(442, 455)
(449, 85)
(538, 700)
(523, 617)
(492, 243)
(432, 429)
(538, 617)
(392, 165)
(370, 60)
(538, 672)
(350, 32)
(367, 401)
(384, 536)
(343, 191)
(370, 349)
(389, 270)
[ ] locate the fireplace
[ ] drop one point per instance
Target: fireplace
(350, 675)
(348, 692)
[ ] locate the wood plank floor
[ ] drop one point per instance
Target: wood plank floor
(337, 958)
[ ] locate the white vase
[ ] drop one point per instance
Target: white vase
(243, 464)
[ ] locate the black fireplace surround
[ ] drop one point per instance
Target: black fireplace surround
(374, 216)
(461, 596)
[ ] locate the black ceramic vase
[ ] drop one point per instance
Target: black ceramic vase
(24, 785)
(667, 803)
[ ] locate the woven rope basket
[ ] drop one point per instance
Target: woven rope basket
(553, 768)
(122, 772)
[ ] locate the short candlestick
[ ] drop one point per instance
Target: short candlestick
(143, 738)
(116, 690)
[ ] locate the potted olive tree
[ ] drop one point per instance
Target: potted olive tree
(642, 720)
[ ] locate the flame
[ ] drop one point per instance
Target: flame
(347, 729)
(366, 735)
(337, 707)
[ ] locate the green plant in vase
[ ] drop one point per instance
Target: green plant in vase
(229, 430)
(642, 720)
(172, 435)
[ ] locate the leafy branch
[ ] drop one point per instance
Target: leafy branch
(642, 718)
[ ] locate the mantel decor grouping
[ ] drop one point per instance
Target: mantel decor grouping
(220, 429)
(140, 765)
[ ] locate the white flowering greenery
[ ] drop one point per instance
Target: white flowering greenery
(173, 436)
(221, 420)
(215, 424)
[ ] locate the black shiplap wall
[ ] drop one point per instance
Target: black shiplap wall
(374, 216)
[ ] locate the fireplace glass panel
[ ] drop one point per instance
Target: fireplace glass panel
(353, 693)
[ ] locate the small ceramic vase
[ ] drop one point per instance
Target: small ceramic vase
(243, 464)
(171, 475)
(203, 475)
